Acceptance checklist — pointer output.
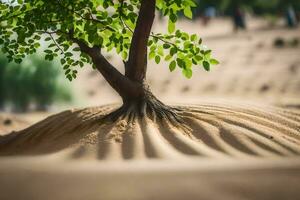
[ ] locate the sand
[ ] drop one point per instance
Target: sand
(9, 122)
(212, 179)
(230, 152)
(242, 141)
(212, 131)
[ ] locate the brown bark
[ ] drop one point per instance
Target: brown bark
(137, 61)
(120, 83)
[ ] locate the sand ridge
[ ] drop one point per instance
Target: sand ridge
(215, 131)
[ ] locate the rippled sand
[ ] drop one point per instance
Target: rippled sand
(230, 152)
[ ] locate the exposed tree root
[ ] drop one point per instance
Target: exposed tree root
(148, 107)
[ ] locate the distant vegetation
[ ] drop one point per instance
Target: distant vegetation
(34, 82)
(259, 7)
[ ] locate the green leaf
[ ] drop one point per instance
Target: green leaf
(214, 62)
(178, 33)
(173, 51)
(194, 37)
(76, 49)
(188, 12)
(172, 65)
(206, 65)
(68, 54)
(69, 76)
(181, 63)
(51, 45)
(198, 58)
(62, 61)
(18, 60)
(48, 51)
(172, 18)
(207, 52)
(188, 62)
(67, 71)
(124, 55)
(171, 27)
(151, 55)
(166, 46)
(194, 61)
(168, 57)
(200, 41)
(160, 51)
(188, 73)
(157, 59)
(150, 42)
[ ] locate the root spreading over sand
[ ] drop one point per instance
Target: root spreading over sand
(213, 131)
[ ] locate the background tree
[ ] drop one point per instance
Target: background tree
(33, 82)
(259, 7)
(17, 81)
(3, 64)
(91, 27)
(46, 84)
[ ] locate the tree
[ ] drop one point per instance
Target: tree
(79, 31)
(33, 82)
(3, 64)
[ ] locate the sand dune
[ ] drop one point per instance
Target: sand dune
(211, 131)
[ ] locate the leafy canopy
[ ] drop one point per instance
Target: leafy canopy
(108, 24)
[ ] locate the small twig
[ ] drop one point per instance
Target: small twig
(121, 19)
(167, 42)
(57, 45)
(54, 41)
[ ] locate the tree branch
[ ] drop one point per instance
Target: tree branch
(121, 18)
(137, 61)
(124, 86)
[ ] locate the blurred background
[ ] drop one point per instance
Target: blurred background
(256, 42)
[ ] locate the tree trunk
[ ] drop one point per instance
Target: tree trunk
(137, 62)
(131, 85)
(137, 98)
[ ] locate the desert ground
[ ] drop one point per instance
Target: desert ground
(243, 139)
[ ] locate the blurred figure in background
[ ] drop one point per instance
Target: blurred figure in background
(209, 13)
(290, 16)
(238, 17)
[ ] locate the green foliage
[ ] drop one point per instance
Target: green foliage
(3, 65)
(34, 81)
(16, 84)
(46, 86)
(104, 23)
